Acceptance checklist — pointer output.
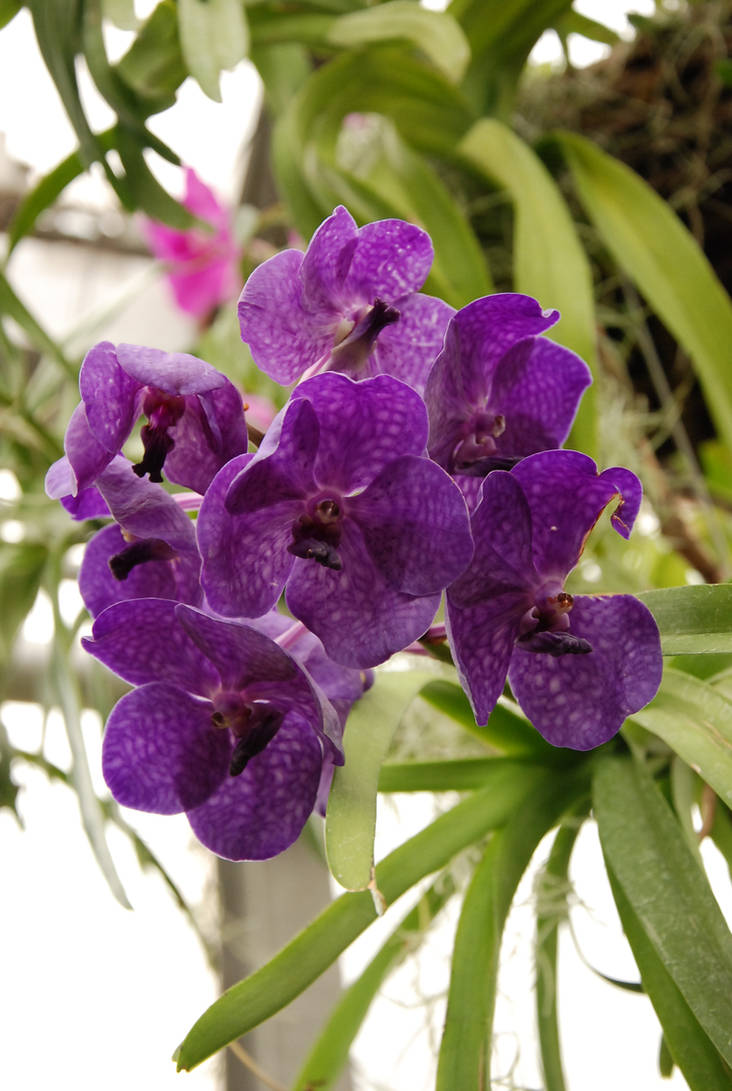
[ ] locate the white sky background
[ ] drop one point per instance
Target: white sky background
(93, 996)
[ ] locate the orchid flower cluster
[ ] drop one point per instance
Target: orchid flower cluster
(418, 455)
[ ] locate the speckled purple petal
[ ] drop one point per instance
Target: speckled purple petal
(538, 394)
(211, 431)
(161, 579)
(110, 397)
(144, 508)
(501, 528)
(358, 617)
(260, 813)
(408, 348)
(161, 752)
(415, 525)
(284, 338)
(141, 641)
(566, 497)
(283, 473)
(482, 638)
(173, 372)
(363, 426)
(325, 266)
(391, 259)
(245, 558)
(581, 701)
(86, 456)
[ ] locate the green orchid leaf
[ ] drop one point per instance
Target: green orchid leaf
(275, 984)
(692, 620)
(695, 720)
(678, 920)
(21, 569)
(350, 821)
(549, 261)
(8, 10)
(664, 261)
(153, 65)
(213, 37)
(444, 776)
(436, 34)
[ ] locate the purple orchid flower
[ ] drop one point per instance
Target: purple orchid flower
(578, 665)
(202, 266)
(224, 725)
(498, 391)
(151, 552)
(340, 506)
(348, 304)
(195, 418)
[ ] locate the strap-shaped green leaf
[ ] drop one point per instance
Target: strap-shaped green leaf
(309, 954)
(458, 775)
(664, 261)
(685, 1039)
(213, 37)
(464, 1059)
(549, 262)
(692, 620)
(350, 822)
(329, 1054)
(695, 720)
(667, 892)
(436, 34)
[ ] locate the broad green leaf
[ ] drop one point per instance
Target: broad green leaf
(149, 195)
(696, 619)
(121, 13)
(549, 261)
(464, 1060)
(551, 911)
(289, 973)
(664, 261)
(667, 891)
(437, 35)
(695, 720)
(443, 776)
(685, 1039)
(8, 10)
(329, 1054)
(213, 37)
(21, 568)
(350, 821)
(153, 65)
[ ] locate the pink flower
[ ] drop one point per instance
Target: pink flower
(203, 266)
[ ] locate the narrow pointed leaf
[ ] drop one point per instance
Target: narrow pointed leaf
(667, 892)
(664, 261)
(692, 620)
(444, 776)
(549, 261)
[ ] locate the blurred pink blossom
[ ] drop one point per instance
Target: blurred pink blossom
(203, 267)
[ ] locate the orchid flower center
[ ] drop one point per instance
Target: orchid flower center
(139, 552)
(476, 453)
(546, 626)
(252, 723)
(355, 340)
(163, 412)
(317, 533)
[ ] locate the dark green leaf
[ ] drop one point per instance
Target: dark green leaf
(153, 65)
(692, 620)
(573, 22)
(275, 984)
(666, 906)
(8, 9)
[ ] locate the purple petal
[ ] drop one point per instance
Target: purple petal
(109, 395)
(566, 497)
(284, 338)
(482, 638)
(631, 491)
(211, 431)
(501, 528)
(144, 508)
(260, 813)
(408, 348)
(60, 484)
(160, 579)
(141, 641)
(282, 469)
(245, 557)
(172, 372)
(358, 617)
(415, 525)
(581, 701)
(538, 395)
(391, 259)
(161, 752)
(363, 426)
(326, 264)
(87, 457)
